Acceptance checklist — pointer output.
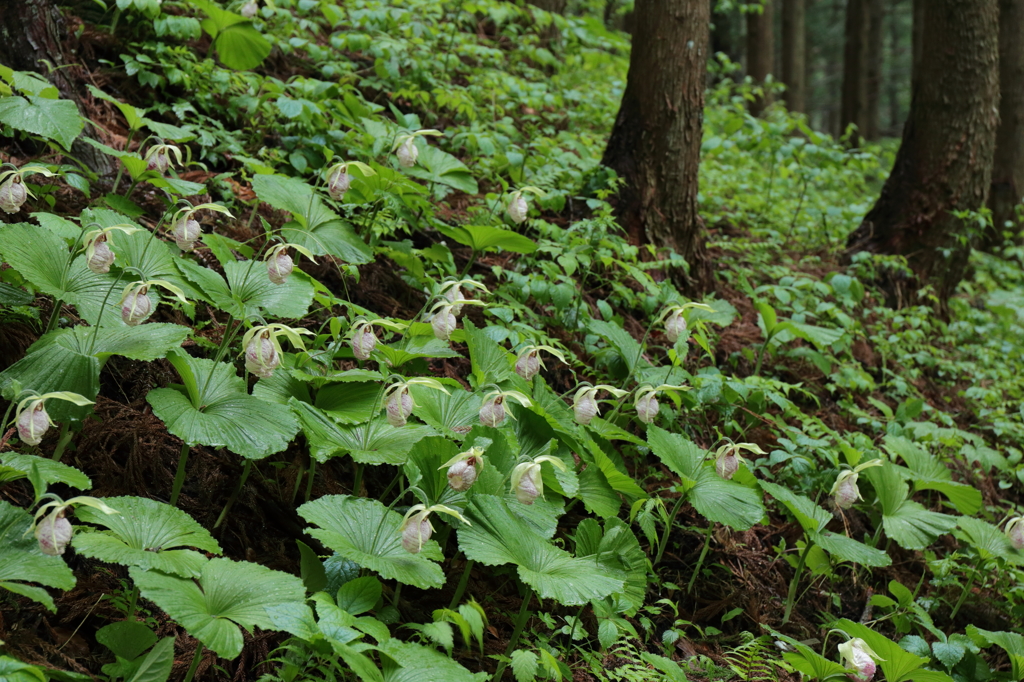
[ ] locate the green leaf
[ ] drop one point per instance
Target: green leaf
(311, 569)
(367, 532)
(157, 665)
(48, 470)
(127, 639)
(1011, 642)
(908, 523)
(350, 403)
(484, 237)
(524, 665)
(715, 498)
(54, 119)
(16, 671)
(21, 560)
(359, 595)
(315, 226)
(242, 47)
(848, 549)
(218, 412)
(928, 473)
(409, 662)
(498, 536)
(897, 665)
(948, 653)
(435, 165)
(374, 442)
(490, 361)
(988, 540)
(617, 549)
(146, 534)
(810, 516)
(252, 287)
(619, 339)
(229, 594)
(453, 413)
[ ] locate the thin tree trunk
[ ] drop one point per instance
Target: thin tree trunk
(31, 33)
(556, 6)
(794, 53)
(760, 52)
(918, 41)
(655, 143)
(944, 163)
(725, 26)
(872, 105)
(855, 57)
(1008, 165)
(893, 90)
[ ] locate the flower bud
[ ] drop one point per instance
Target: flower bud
(338, 183)
(407, 153)
(135, 307)
(53, 534)
(647, 407)
(727, 464)
(261, 357)
(462, 475)
(158, 160)
(101, 257)
(399, 407)
(12, 195)
(1015, 532)
(517, 209)
(443, 323)
(363, 342)
(675, 327)
(33, 423)
(528, 364)
(528, 488)
(186, 231)
(857, 657)
(585, 407)
(279, 267)
(415, 532)
(453, 295)
(249, 10)
(492, 412)
(845, 492)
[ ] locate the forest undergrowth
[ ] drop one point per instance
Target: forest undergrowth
(347, 372)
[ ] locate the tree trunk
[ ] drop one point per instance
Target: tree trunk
(875, 53)
(655, 143)
(944, 163)
(725, 27)
(855, 59)
(918, 41)
(794, 53)
(760, 52)
(556, 6)
(895, 48)
(31, 36)
(1008, 165)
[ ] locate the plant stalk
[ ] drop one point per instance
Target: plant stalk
(312, 477)
(132, 603)
(195, 664)
(463, 582)
(62, 442)
(179, 476)
(524, 615)
(668, 529)
(966, 591)
(700, 561)
(791, 597)
(234, 496)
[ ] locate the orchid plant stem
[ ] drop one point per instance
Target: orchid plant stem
(62, 442)
(246, 469)
(179, 476)
(967, 589)
(195, 664)
(524, 615)
(132, 603)
(312, 477)
(700, 561)
(668, 529)
(791, 597)
(463, 582)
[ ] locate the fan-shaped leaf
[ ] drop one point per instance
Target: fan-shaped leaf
(228, 594)
(498, 536)
(409, 662)
(374, 442)
(908, 523)
(146, 534)
(48, 470)
(214, 409)
(367, 532)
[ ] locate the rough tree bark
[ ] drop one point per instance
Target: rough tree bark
(32, 33)
(944, 163)
(760, 51)
(655, 143)
(855, 59)
(794, 53)
(1008, 165)
(873, 74)
(917, 41)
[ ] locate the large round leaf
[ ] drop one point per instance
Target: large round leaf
(228, 594)
(367, 532)
(498, 536)
(214, 409)
(145, 534)
(21, 559)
